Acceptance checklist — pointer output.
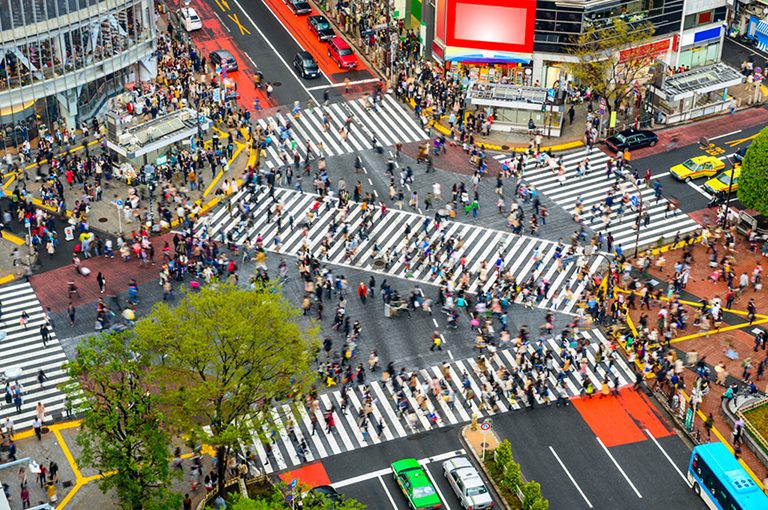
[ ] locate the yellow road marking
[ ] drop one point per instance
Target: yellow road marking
(18, 241)
(243, 30)
(733, 143)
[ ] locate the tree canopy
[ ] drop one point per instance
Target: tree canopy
(223, 354)
(611, 58)
(122, 433)
(753, 181)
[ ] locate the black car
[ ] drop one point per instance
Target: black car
(323, 496)
(631, 139)
(739, 156)
(320, 27)
(223, 58)
(299, 7)
(306, 65)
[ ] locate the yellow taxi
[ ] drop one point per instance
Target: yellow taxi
(700, 166)
(723, 181)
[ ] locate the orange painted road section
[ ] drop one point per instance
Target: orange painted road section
(213, 36)
(309, 476)
(622, 419)
(299, 28)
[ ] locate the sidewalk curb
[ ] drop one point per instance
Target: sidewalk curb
(468, 447)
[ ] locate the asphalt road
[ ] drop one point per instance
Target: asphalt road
(638, 475)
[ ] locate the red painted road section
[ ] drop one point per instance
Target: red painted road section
(299, 28)
(214, 36)
(310, 475)
(622, 419)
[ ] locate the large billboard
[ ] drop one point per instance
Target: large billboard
(500, 25)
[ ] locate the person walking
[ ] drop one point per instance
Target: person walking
(17, 401)
(44, 334)
(102, 282)
(41, 377)
(37, 425)
(71, 311)
(330, 423)
(437, 342)
(362, 292)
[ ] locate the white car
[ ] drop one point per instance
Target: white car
(467, 484)
(190, 19)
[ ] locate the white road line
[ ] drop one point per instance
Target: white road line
(252, 62)
(664, 452)
(272, 46)
(439, 492)
(222, 22)
(332, 85)
(450, 354)
(557, 457)
(727, 134)
(615, 463)
(389, 496)
(386, 471)
(699, 189)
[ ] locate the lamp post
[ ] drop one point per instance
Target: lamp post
(639, 213)
(730, 188)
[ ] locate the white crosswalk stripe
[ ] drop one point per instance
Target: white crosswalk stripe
(279, 450)
(389, 123)
(481, 245)
(593, 189)
(22, 348)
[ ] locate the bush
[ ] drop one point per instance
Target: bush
(509, 477)
(753, 182)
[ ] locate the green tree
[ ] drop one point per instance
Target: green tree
(122, 434)
(228, 354)
(753, 182)
(612, 57)
(532, 498)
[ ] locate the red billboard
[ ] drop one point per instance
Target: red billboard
(491, 24)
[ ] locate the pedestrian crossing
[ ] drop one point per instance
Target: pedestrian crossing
(22, 349)
(523, 257)
(289, 437)
(592, 189)
(389, 123)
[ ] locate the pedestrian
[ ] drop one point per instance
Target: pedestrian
(53, 472)
(186, 503)
(41, 377)
(24, 319)
(71, 311)
(329, 421)
(25, 496)
(51, 490)
(102, 282)
(17, 401)
(44, 334)
(571, 115)
(437, 342)
(362, 292)
(11, 451)
(41, 478)
(37, 425)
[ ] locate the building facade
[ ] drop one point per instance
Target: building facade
(60, 60)
(688, 33)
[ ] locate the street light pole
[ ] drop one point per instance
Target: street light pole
(730, 188)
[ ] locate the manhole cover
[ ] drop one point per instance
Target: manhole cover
(505, 147)
(276, 83)
(103, 220)
(67, 484)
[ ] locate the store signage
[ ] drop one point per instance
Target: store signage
(491, 25)
(650, 50)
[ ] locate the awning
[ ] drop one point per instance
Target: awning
(761, 35)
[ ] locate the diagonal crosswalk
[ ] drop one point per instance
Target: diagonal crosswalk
(524, 258)
(433, 397)
(593, 188)
(389, 123)
(23, 348)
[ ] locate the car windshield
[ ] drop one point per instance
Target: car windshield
(345, 51)
(194, 17)
(309, 64)
(423, 492)
(476, 491)
(725, 179)
(231, 61)
(691, 165)
(323, 25)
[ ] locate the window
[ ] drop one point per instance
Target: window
(705, 17)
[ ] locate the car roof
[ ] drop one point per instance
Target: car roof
(338, 41)
(224, 53)
(702, 159)
(318, 17)
(407, 463)
(305, 55)
(470, 477)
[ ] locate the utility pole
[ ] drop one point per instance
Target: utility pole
(730, 188)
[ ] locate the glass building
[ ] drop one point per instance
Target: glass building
(61, 60)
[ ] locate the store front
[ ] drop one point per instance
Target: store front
(490, 72)
(696, 93)
(700, 48)
(514, 107)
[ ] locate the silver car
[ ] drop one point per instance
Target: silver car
(467, 484)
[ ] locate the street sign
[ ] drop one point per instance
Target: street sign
(551, 93)
(162, 160)
(689, 419)
(485, 426)
(294, 483)
(634, 200)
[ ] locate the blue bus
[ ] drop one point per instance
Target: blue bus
(721, 481)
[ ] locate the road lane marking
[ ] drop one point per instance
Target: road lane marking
(727, 134)
(385, 471)
(733, 143)
(664, 452)
(389, 496)
(243, 30)
(557, 457)
(272, 46)
(437, 489)
(615, 463)
(221, 21)
(699, 189)
(342, 84)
